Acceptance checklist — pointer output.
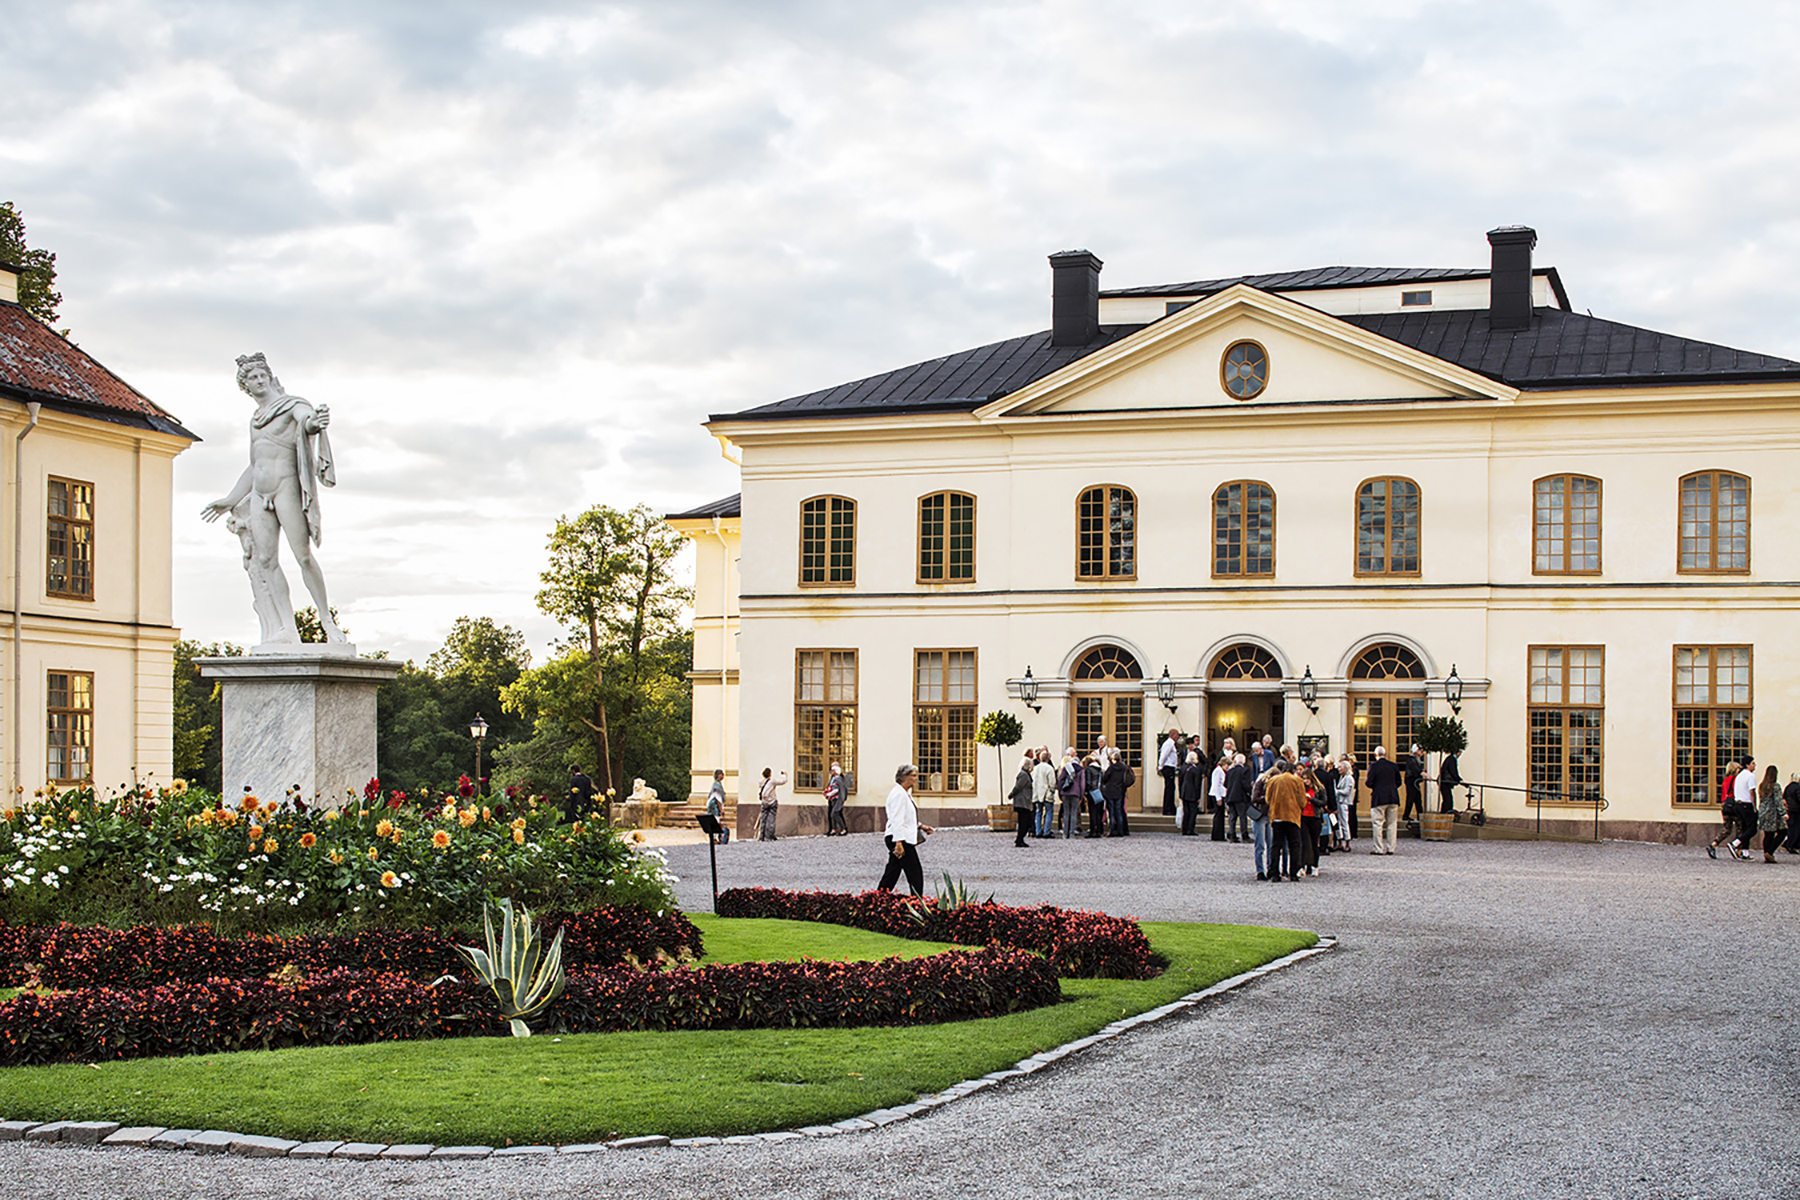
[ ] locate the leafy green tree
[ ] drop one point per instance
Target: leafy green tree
(611, 583)
(37, 286)
(199, 720)
(1000, 729)
(307, 622)
(422, 716)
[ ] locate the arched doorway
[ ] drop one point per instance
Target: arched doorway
(1387, 702)
(1244, 688)
(1106, 687)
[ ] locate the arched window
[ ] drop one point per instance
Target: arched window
(1244, 529)
(946, 538)
(1565, 525)
(827, 541)
(1245, 661)
(1387, 527)
(1387, 661)
(1106, 520)
(1715, 524)
(1108, 662)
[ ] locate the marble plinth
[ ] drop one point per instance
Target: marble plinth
(299, 718)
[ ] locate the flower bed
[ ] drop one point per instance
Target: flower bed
(165, 855)
(348, 1007)
(1079, 944)
(71, 956)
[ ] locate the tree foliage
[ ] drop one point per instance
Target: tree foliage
(422, 716)
(199, 719)
(1441, 735)
(37, 286)
(610, 582)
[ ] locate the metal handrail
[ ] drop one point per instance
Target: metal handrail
(1479, 790)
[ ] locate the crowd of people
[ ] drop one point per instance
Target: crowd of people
(1749, 807)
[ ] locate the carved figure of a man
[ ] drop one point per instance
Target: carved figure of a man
(290, 456)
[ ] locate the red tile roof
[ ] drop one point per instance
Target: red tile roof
(41, 365)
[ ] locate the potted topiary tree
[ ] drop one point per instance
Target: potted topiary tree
(1000, 729)
(1439, 735)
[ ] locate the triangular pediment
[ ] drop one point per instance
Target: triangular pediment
(1311, 358)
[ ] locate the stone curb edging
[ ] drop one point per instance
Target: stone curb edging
(218, 1141)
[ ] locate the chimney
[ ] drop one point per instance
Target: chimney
(1509, 283)
(1074, 298)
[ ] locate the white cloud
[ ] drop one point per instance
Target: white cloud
(522, 250)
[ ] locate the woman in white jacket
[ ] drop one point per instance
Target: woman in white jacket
(903, 834)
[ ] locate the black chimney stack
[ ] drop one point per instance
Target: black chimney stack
(1509, 283)
(1074, 298)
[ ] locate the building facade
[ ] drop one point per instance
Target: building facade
(1187, 507)
(88, 638)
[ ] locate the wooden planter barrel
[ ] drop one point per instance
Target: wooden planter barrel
(1435, 826)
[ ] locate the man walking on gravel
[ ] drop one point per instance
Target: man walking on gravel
(1384, 802)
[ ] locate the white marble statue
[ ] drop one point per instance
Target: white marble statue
(278, 493)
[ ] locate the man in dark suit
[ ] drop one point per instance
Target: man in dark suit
(1384, 802)
(1237, 801)
(581, 795)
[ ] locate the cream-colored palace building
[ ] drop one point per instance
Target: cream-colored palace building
(88, 640)
(1184, 505)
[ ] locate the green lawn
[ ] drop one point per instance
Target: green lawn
(491, 1091)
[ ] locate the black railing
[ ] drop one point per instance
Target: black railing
(1537, 797)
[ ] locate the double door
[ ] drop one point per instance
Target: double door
(1119, 718)
(1385, 720)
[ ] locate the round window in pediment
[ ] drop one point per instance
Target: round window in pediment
(1245, 370)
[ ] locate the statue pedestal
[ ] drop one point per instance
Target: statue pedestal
(305, 718)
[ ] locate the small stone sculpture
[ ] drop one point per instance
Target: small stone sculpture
(640, 792)
(290, 455)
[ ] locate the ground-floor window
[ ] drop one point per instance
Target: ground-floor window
(944, 720)
(70, 710)
(824, 717)
(1712, 718)
(1566, 720)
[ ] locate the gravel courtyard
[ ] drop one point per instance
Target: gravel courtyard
(1500, 1019)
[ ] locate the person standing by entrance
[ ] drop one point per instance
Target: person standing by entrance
(1449, 777)
(1413, 772)
(1193, 779)
(904, 833)
(1168, 764)
(1238, 782)
(768, 802)
(1043, 795)
(1093, 767)
(1021, 799)
(1384, 802)
(1071, 786)
(1285, 795)
(1115, 781)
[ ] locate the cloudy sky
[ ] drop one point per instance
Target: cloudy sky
(523, 249)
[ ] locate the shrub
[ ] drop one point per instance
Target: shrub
(166, 855)
(347, 1007)
(72, 956)
(1079, 944)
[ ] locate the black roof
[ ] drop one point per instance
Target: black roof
(1565, 349)
(728, 507)
(1323, 278)
(1561, 349)
(955, 382)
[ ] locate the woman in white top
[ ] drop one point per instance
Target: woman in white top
(766, 795)
(903, 834)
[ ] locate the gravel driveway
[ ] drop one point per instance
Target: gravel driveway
(1500, 1019)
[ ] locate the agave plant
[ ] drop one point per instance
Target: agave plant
(953, 895)
(524, 976)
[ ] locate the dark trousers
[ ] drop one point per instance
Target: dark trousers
(1792, 841)
(1190, 812)
(907, 861)
(1096, 808)
(1022, 824)
(1413, 803)
(1740, 823)
(838, 824)
(1309, 842)
(1218, 829)
(1116, 824)
(1771, 839)
(1284, 844)
(1168, 774)
(1237, 820)
(1071, 816)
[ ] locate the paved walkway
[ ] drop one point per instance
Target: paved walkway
(1501, 1019)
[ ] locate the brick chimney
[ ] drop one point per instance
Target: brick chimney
(1074, 298)
(1509, 282)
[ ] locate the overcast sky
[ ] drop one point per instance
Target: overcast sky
(522, 250)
